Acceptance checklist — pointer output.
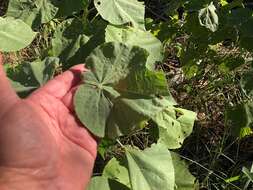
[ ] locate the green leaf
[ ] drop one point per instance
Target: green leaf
(144, 82)
(139, 108)
(106, 145)
(174, 124)
(240, 119)
(111, 94)
(184, 180)
(33, 12)
(230, 63)
(14, 34)
(209, 18)
(108, 64)
(92, 108)
(74, 40)
(119, 12)
(133, 36)
(102, 183)
(151, 169)
(27, 77)
(246, 83)
(116, 171)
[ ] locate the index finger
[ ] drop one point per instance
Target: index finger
(62, 84)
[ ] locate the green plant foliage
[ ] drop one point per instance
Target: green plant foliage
(119, 12)
(74, 40)
(240, 119)
(246, 83)
(248, 173)
(105, 184)
(14, 34)
(150, 169)
(184, 180)
(105, 146)
(174, 124)
(67, 7)
(34, 13)
(117, 171)
(230, 63)
(27, 77)
(142, 164)
(137, 37)
(107, 98)
(111, 66)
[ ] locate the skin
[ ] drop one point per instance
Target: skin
(42, 144)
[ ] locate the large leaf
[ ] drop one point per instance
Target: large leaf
(74, 40)
(103, 183)
(117, 171)
(14, 34)
(139, 108)
(133, 36)
(184, 180)
(151, 169)
(120, 12)
(209, 18)
(174, 124)
(33, 12)
(112, 66)
(27, 77)
(120, 170)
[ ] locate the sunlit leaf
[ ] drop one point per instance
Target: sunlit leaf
(108, 64)
(120, 12)
(104, 183)
(14, 34)
(33, 12)
(184, 180)
(174, 124)
(116, 171)
(132, 36)
(151, 169)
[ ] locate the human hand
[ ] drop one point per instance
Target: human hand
(42, 145)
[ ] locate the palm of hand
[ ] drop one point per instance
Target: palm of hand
(43, 142)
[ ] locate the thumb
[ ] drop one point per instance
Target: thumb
(8, 97)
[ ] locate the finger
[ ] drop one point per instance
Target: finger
(68, 99)
(7, 94)
(62, 84)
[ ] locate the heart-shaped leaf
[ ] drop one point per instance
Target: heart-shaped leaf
(120, 12)
(114, 70)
